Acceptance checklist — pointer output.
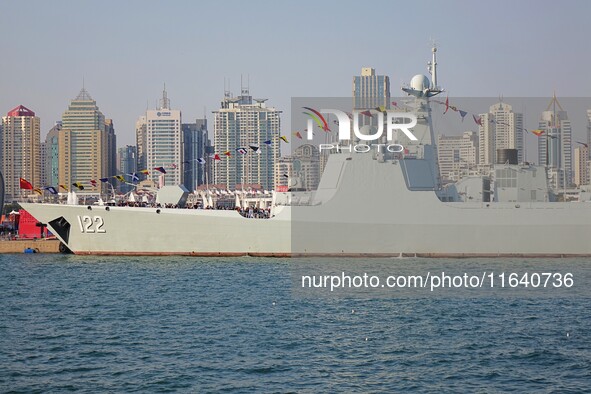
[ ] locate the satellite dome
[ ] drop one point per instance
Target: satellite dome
(419, 82)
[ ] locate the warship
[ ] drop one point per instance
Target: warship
(368, 203)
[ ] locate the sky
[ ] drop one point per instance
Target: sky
(125, 51)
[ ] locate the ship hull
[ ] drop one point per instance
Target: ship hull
(342, 219)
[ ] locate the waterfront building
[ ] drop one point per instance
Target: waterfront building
(21, 156)
(457, 155)
(239, 125)
(164, 143)
(501, 129)
(195, 143)
(86, 145)
(555, 145)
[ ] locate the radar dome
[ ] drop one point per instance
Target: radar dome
(419, 82)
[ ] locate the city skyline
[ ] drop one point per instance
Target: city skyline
(195, 62)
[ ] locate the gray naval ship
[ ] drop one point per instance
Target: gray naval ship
(375, 203)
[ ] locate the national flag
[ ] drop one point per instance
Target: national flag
(478, 120)
(119, 178)
(446, 105)
(242, 151)
(24, 184)
(93, 182)
(50, 189)
(366, 113)
(145, 172)
(134, 177)
(104, 180)
(254, 147)
(78, 185)
(38, 191)
(537, 132)
(299, 135)
(201, 160)
(268, 142)
(160, 169)
(64, 187)
(227, 153)
(284, 138)
(463, 114)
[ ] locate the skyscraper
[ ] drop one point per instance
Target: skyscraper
(242, 124)
(21, 156)
(85, 144)
(164, 142)
(195, 142)
(52, 156)
(581, 164)
(302, 168)
(370, 90)
(141, 139)
(501, 129)
(126, 164)
(555, 145)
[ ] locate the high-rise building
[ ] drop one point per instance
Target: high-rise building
(141, 139)
(370, 90)
(555, 145)
(164, 143)
(302, 168)
(457, 155)
(21, 157)
(85, 144)
(52, 156)
(126, 164)
(195, 142)
(581, 164)
(239, 125)
(501, 129)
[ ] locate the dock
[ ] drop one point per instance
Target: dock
(40, 245)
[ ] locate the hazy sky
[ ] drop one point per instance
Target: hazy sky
(126, 50)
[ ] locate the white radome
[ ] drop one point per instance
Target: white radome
(419, 82)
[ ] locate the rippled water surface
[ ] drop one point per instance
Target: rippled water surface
(89, 324)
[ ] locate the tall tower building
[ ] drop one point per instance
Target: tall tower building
(141, 139)
(555, 145)
(126, 163)
(164, 142)
(52, 156)
(501, 129)
(196, 142)
(85, 144)
(240, 123)
(370, 90)
(581, 164)
(21, 156)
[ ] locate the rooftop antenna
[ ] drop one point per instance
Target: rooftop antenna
(165, 100)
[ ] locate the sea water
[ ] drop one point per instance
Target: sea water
(182, 324)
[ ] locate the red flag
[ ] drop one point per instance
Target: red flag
(366, 113)
(24, 184)
(216, 157)
(298, 134)
(477, 120)
(446, 105)
(227, 153)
